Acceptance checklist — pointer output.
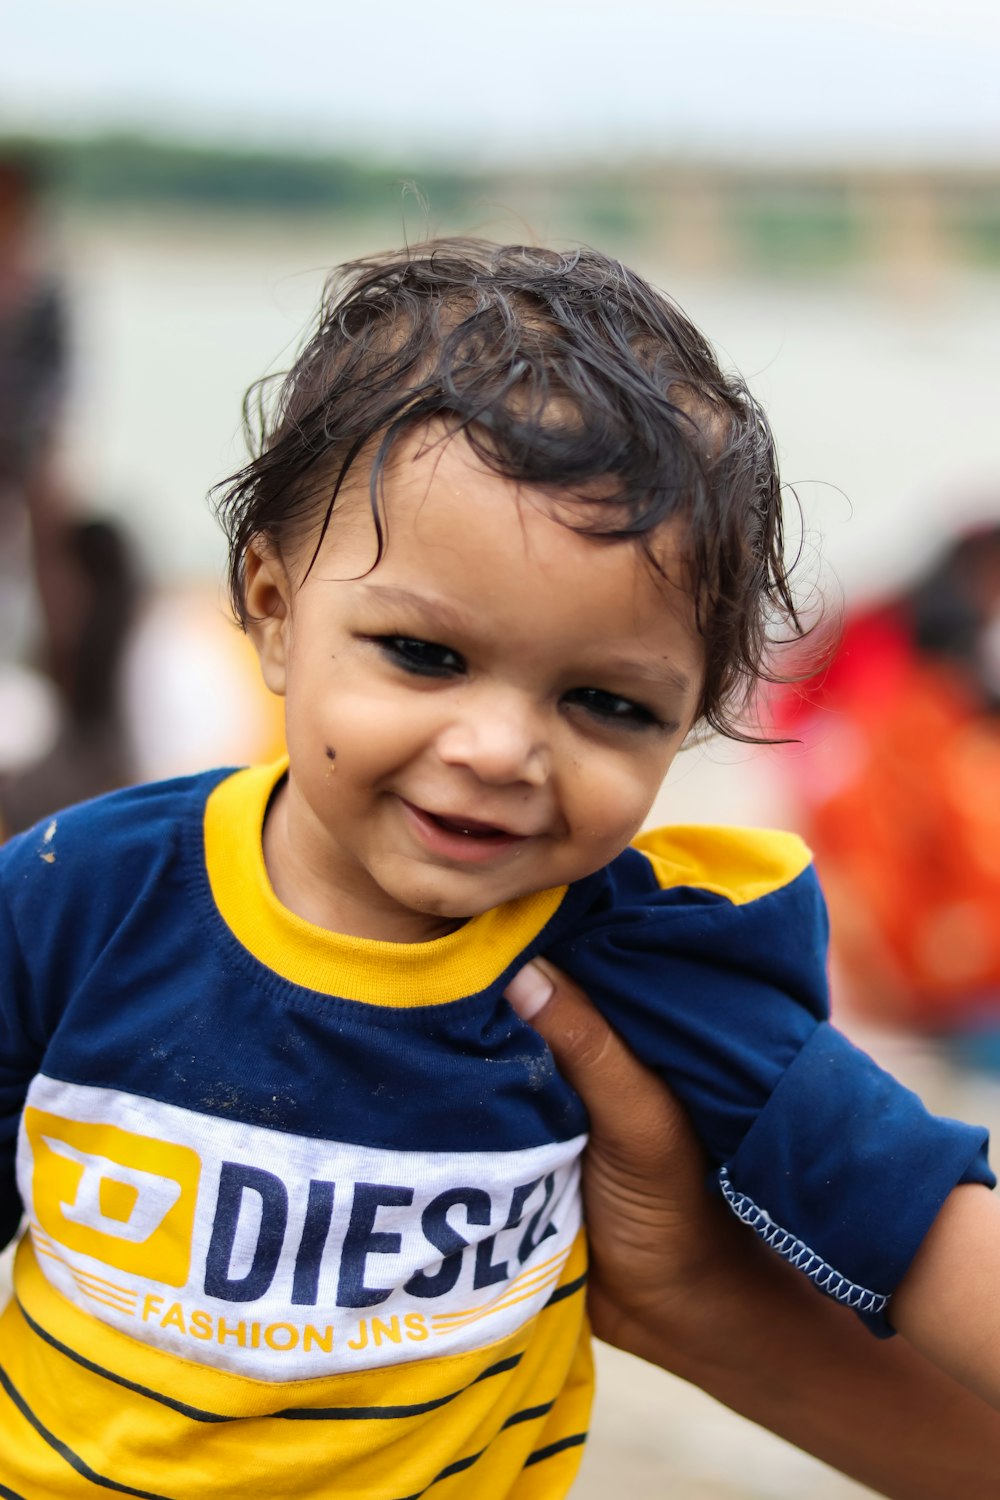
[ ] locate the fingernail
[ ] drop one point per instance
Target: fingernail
(529, 990)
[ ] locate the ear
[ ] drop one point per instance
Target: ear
(268, 595)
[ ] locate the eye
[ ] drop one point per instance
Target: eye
(611, 708)
(422, 658)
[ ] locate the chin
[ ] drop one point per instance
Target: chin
(448, 906)
(450, 911)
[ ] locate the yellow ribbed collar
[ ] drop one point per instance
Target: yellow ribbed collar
(395, 974)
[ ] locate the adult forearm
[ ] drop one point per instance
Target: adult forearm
(773, 1349)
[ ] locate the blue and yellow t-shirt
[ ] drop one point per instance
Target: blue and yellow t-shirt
(303, 1209)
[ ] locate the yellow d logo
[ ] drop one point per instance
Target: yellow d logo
(127, 1200)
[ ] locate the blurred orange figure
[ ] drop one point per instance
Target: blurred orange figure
(898, 777)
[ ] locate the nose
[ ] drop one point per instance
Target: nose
(498, 741)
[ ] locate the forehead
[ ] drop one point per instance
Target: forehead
(437, 490)
(506, 559)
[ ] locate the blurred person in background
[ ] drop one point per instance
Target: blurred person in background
(90, 753)
(67, 581)
(897, 777)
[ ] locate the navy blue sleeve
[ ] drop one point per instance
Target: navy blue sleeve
(831, 1160)
(845, 1170)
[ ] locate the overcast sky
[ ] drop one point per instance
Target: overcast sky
(486, 80)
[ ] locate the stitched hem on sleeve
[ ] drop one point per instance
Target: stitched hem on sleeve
(799, 1254)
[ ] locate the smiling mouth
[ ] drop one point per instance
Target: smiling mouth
(460, 837)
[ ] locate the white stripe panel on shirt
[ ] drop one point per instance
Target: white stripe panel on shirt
(283, 1257)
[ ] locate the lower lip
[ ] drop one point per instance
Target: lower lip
(461, 848)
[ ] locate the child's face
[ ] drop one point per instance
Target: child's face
(487, 713)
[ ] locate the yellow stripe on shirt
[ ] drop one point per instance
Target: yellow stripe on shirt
(152, 1423)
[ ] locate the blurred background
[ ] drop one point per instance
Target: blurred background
(818, 184)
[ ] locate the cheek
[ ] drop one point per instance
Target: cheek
(610, 800)
(370, 732)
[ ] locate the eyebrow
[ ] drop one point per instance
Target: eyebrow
(662, 674)
(434, 611)
(439, 612)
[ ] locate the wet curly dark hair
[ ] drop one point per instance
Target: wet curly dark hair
(565, 371)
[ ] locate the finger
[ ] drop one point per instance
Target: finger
(629, 1106)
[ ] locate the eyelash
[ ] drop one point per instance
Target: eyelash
(428, 659)
(611, 707)
(416, 656)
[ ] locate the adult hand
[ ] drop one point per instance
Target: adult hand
(678, 1281)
